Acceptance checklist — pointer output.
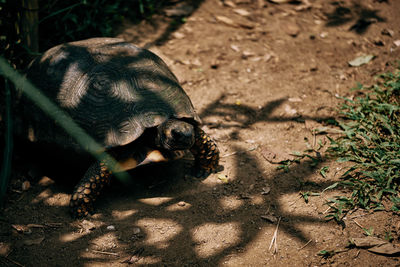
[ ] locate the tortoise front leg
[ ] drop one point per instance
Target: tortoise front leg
(206, 154)
(88, 188)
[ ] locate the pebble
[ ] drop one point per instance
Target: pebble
(111, 228)
(25, 185)
(136, 230)
(181, 203)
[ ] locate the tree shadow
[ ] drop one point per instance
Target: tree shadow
(169, 183)
(361, 16)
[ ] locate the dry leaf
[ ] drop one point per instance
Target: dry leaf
(361, 60)
(270, 218)
(386, 249)
(21, 228)
(365, 242)
(226, 20)
(376, 245)
(223, 178)
(242, 12)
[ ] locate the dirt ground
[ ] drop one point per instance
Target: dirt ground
(261, 76)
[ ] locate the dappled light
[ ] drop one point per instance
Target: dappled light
(265, 78)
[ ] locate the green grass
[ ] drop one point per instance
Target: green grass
(371, 144)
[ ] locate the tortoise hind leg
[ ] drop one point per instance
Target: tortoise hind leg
(88, 189)
(206, 154)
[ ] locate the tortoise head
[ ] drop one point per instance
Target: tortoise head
(175, 134)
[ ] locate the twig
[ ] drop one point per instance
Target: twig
(237, 152)
(13, 261)
(105, 253)
(359, 225)
(309, 241)
(274, 240)
(326, 210)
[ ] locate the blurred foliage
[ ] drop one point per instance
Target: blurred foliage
(64, 21)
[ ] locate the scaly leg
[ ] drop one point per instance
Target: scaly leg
(88, 189)
(206, 154)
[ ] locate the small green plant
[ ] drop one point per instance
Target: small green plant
(308, 194)
(371, 143)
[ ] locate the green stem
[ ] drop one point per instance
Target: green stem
(8, 147)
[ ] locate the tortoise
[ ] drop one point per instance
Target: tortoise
(123, 96)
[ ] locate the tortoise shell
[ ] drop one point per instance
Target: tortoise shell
(112, 89)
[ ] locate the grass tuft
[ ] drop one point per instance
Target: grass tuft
(371, 143)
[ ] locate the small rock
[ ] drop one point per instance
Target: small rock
(247, 54)
(136, 230)
(178, 35)
(323, 35)
(20, 228)
(181, 203)
(266, 190)
(111, 228)
(291, 28)
(387, 32)
(378, 42)
(88, 225)
(25, 185)
(235, 48)
(397, 43)
(289, 110)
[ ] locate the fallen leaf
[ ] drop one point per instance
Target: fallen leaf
(87, 225)
(366, 242)
(226, 20)
(266, 190)
(223, 178)
(387, 32)
(235, 48)
(242, 12)
(269, 218)
(386, 249)
(247, 54)
(376, 245)
(361, 60)
(229, 3)
(295, 99)
(21, 228)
